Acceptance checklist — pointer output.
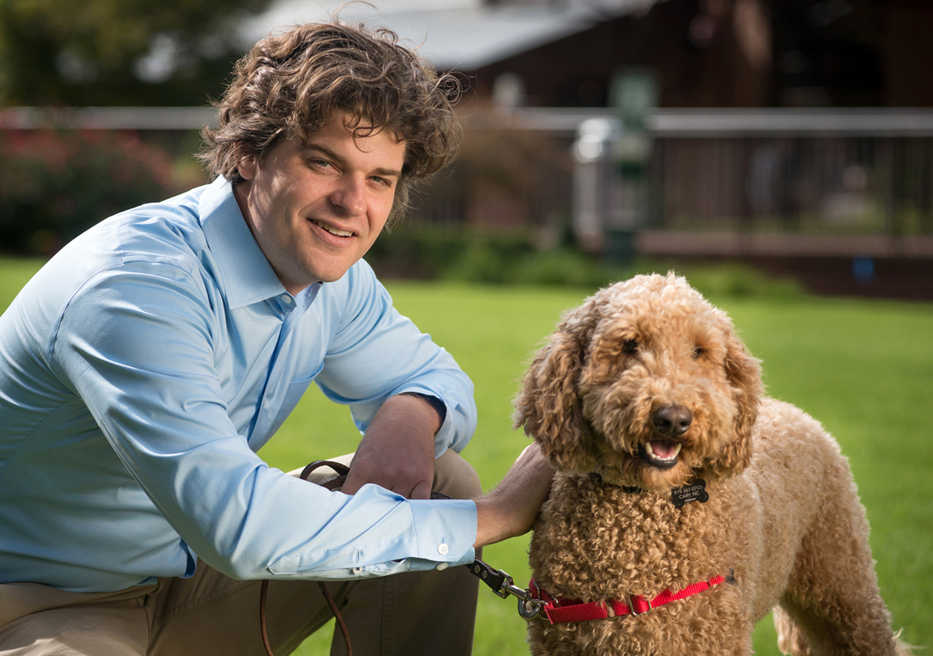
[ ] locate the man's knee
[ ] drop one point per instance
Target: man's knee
(77, 631)
(455, 477)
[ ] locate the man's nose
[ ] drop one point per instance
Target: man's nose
(348, 197)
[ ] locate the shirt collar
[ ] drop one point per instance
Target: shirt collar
(245, 274)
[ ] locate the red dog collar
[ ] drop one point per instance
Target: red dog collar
(560, 610)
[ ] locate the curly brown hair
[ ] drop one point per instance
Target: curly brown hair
(289, 85)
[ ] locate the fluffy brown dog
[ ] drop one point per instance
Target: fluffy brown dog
(643, 395)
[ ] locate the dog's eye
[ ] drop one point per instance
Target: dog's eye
(630, 346)
(698, 352)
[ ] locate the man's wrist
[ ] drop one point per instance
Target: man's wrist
(512, 506)
(490, 527)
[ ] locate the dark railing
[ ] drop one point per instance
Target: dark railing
(816, 170)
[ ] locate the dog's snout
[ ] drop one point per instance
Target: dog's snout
(672, 420)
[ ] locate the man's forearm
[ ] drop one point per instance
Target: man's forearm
(407, 413)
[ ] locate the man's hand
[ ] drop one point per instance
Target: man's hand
(511, 508)
(397, 451)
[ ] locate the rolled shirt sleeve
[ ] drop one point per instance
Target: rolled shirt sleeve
(397, 357)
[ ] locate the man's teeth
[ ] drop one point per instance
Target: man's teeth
(332, 230)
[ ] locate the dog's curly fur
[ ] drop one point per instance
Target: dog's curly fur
(640, 368)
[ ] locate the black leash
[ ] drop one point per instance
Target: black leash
(342, 471)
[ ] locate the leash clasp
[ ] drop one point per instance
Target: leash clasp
(502, 584)
(529, 608)
(498, 581)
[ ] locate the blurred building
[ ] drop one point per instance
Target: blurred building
(705, 53)
(794, 133)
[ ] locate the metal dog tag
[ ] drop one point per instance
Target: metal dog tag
(695, 491)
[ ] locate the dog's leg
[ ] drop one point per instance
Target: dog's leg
(833, 604)
(791, 639)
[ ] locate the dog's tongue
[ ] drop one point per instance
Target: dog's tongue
(664, 449)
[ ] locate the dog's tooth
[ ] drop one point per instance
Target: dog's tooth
(676, 452)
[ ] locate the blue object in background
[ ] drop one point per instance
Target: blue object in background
(863, 269)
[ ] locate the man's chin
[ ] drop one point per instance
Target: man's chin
(330, 272)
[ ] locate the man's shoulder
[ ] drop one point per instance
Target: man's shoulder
(165, 236)
(158, 232)
(153, 244)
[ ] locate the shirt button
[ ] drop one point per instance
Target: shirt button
(441, 567)
(442, 549)
(285, 298)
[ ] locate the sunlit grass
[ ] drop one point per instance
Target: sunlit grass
(14, 272)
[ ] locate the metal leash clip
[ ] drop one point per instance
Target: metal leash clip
(529, 608)
(503, 585)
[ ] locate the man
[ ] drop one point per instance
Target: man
(145, 364)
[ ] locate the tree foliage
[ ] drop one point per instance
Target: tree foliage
(118, 52)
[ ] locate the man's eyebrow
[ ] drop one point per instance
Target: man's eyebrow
(337, 158)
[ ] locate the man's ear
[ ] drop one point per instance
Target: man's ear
(246, 167)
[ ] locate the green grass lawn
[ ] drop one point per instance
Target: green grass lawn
(863, 368)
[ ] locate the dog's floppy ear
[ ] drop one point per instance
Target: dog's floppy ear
(548, 405)
(744, 374)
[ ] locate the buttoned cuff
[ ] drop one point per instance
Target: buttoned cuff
(446, 530)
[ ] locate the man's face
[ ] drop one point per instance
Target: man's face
(315, 208)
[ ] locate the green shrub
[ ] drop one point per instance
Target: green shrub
(568, 268)
(451, 252)
(500, 258)
(738, 281)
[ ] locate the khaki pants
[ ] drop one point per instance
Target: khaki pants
(412, 613)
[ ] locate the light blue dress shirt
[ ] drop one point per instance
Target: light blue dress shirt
(146, 363)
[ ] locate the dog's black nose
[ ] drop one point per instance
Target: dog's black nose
(672, 420)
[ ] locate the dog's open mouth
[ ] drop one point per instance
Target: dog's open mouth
(661, 453)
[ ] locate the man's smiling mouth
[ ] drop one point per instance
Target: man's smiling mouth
(337, 232)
